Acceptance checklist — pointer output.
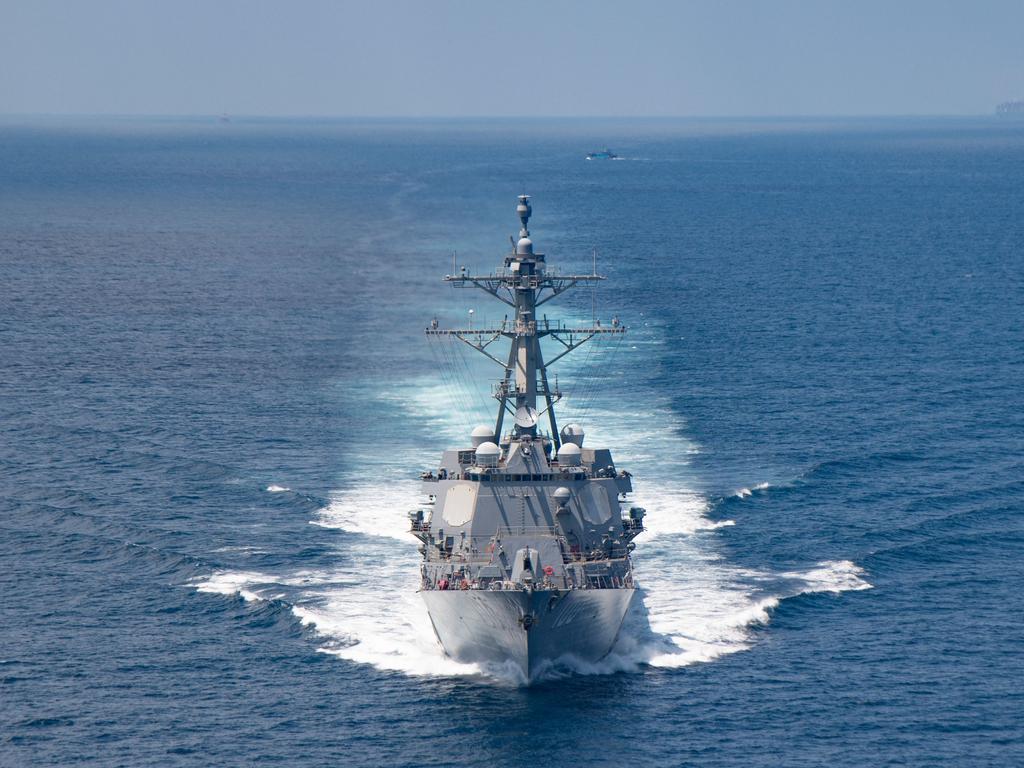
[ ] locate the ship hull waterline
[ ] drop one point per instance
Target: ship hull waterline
(531, 630)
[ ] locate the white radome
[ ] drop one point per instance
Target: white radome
(482, 434)
(487, 454)
(569, 455)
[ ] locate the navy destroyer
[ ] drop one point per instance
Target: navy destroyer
(526, 533)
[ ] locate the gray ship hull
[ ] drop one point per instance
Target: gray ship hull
(482, 626)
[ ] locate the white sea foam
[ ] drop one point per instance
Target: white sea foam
(243, 550)
(367, 611)
(743, 493)
(373, 509)
(840, 576)
(387, 627)
(232, 583)
(705, 609)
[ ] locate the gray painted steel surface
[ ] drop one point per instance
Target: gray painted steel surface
(487, 627)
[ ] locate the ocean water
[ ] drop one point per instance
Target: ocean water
(215, 397)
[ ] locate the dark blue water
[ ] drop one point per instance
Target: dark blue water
(215, 393)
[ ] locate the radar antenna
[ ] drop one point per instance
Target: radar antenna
(525, 284)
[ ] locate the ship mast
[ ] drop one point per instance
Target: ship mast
(525, 284)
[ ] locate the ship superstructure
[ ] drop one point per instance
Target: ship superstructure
(527, 532)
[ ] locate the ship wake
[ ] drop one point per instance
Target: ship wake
(694, 605)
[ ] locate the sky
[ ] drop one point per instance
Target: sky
(510, 58)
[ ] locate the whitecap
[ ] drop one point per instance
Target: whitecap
(743, 493)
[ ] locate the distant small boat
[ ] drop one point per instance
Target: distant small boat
(604, 154)
(1011, 108)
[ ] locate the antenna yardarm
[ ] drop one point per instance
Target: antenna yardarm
(525, 284)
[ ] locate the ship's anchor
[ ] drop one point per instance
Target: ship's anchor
(553, 601)
(527, 621)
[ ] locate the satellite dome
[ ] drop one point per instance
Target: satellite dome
(524, 247)
(561, 495)
(482, 434)
(573, 433)
(487, 454)
(569, 455)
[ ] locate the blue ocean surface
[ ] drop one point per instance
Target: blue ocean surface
(216, 398)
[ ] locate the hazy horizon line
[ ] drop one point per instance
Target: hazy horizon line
(511, 117)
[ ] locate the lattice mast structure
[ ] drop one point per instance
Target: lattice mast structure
(525, 284)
